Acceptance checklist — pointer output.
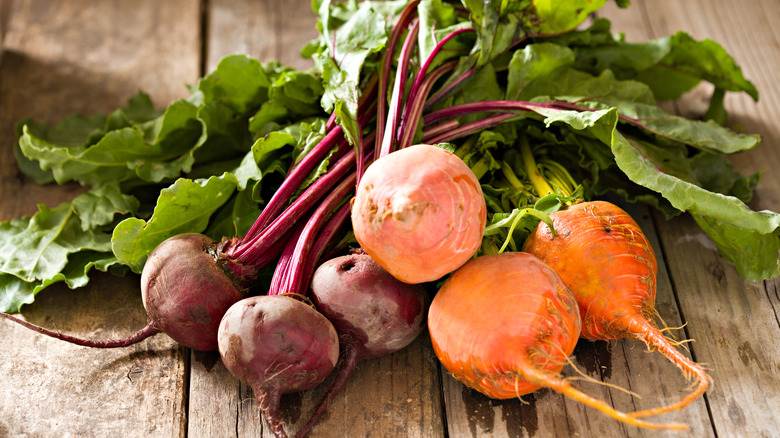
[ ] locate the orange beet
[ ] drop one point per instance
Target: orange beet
(606, 260)
(505, 325)
(419, 213)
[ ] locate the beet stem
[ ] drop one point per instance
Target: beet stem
(297, 279)
(283, 264)
(135, 338)
(472, 127)
(441, 93)
(291, 183)
(438, 48)
(260, 243)
(384, 74)
(399, 87)
(414, 108)
(325, 239)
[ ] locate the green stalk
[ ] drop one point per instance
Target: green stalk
(514, 220)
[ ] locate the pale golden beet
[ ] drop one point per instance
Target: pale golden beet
(419, 212)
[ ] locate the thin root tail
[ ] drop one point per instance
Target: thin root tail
(655, 340)
(561, 385)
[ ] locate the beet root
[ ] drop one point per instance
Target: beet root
(368, 307)
(186, 290)
(374, 314)
(277, 345)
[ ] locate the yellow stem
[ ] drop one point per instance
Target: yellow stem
(536, 178)
(510, 176)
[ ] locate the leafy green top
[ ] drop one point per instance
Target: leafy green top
(584, 97)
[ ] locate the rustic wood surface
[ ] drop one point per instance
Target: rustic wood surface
(69, 56)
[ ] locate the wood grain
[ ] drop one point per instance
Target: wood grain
(263, 29)
(63, 56)
(729, 318)
(73, 56)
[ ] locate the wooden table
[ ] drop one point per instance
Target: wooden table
(89, 57)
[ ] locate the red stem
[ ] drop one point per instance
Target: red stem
(387, 64)
(471, 128)
(277, 286)
(265, 239)
(290, 184)
(399, 88)
(135, 338)
(414, 108)
(439, 46)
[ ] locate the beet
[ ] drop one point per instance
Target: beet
(186, 288)
(186, 291)
(277, 345)
(419, 212)
(374, 314)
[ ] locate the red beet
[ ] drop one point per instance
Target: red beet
(186, 288)
(374, 314)
(277, 345)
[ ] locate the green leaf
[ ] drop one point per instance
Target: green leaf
(683, 195)
(15, 292)
(708, 60)
(670, 65)
(106, 161)
(751, 252)
(227, 135)
(184, 207)
(499, 25)
(437, 20)
(354, 31)
(736, 229)
(536, 62)
(239, 82)
(558, 16)
(293, 95)
(37, 248)
(100, 205)
(545, 71)
(235, 217)
(703, 135)
(350, 34)
(153, 152)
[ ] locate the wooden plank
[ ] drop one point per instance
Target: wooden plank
(395, 395)
(391, 396)
(734, 332)
(78, 56)
(729, 317)
(264, 29)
